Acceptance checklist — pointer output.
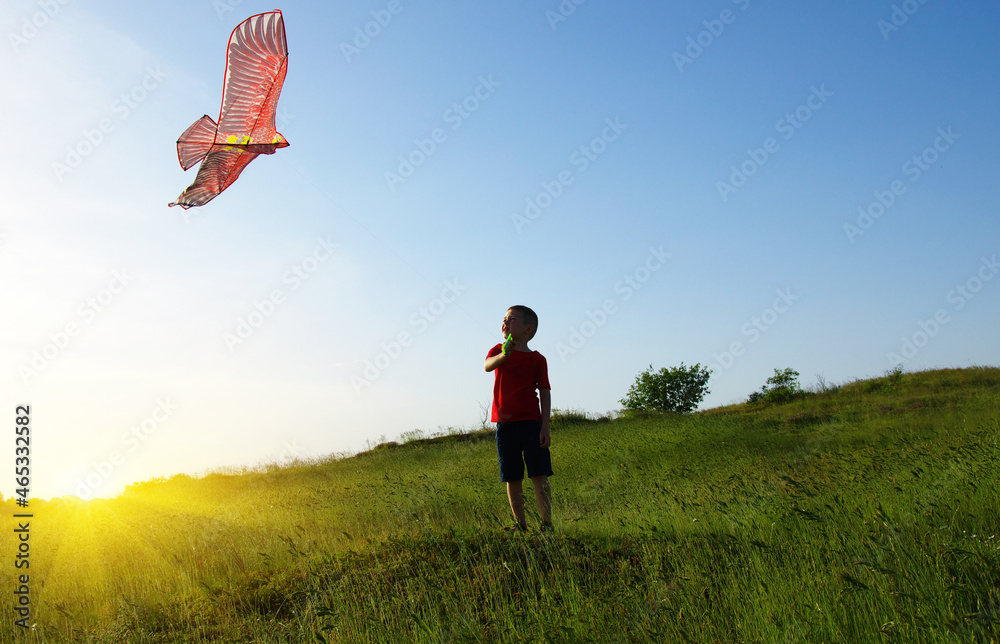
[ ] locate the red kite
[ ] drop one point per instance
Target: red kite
(256, 62)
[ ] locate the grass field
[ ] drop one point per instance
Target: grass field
(865, 513)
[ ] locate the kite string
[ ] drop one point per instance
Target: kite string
(350, 216)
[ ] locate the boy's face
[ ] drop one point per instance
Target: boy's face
(515, 326)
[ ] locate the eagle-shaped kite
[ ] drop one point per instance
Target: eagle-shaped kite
(256, 62)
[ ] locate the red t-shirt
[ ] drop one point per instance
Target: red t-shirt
(514, 396)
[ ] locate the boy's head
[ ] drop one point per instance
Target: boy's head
(521, 322)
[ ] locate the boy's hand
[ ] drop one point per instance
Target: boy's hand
(544, 438)
(508, 345)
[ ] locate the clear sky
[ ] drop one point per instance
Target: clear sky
(745, 185)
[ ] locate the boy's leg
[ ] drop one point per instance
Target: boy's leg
(544, 497)
(512, 469)
(516, 496)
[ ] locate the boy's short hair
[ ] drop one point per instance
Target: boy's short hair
(527, 315)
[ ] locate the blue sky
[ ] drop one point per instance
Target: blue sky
(661, 184)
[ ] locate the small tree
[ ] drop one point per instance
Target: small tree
(781, 387)
(678, 389)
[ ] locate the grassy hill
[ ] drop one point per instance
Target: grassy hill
(865, 513)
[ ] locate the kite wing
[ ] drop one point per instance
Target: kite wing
(256, 63)
(219, 170)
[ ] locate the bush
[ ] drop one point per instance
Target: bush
(677, 389)
(781, 387)
(894, 376)
(568, 417)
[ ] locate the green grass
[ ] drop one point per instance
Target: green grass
(865, 513)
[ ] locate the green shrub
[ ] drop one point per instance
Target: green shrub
(677, 389)
(781, 387)
(894, 377)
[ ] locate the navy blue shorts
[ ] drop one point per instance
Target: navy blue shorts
(517, 446)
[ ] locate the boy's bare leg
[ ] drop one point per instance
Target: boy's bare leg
(544, 497)
(516, 496)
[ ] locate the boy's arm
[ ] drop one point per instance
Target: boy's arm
(492, 362)
(545, 399)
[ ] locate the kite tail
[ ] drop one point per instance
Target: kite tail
(196, 141)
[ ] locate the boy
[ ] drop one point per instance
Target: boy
(522, 418)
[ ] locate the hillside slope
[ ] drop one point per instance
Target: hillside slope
(864, 512)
